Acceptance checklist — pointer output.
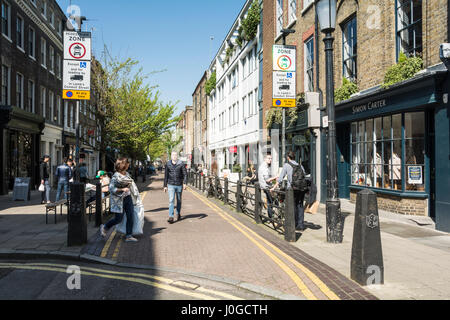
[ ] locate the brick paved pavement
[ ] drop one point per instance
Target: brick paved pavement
(214, 241)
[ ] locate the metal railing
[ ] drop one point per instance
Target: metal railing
(274, 209)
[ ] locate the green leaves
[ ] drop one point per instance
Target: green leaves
(210, 84)
(345, 91)
(251, 22)
(406, 68)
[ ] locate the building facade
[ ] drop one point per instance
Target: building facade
(185, 129)
(30, 72)
(234, 135)
(200, 108)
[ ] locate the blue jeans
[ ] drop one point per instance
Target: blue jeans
(178, 190)
(62, 185)
(46, 193)
(128, 209)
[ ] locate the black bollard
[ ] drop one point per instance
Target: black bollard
(257, 203)
(367, 256)
(77, 229)
(98, 203)
(225, 187)
(204, 183)
(289, 216)
(239, 197)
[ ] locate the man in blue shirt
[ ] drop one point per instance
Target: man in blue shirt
(63, 174)
(299, 196)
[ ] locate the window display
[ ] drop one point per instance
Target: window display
(382, 158)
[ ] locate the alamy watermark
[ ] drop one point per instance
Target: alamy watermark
(74, 280)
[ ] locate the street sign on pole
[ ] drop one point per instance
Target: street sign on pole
(77, 45)
(77, 75)
(284, 85)
(284, 58)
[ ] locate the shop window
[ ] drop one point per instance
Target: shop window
(409, 27)
(378, 148)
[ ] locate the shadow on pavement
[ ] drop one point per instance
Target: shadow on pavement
(193, 216)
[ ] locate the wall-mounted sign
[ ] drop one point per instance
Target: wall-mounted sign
(284, 58)
(76, 95)
(415, 175)
(284, 85)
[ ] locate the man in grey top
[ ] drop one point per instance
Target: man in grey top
(299, 196)
(264, 179)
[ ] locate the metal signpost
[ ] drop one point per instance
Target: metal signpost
(284, 83)
(77, 86)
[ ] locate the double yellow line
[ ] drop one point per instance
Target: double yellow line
(257, 240)
(116, 251)
(141, 278)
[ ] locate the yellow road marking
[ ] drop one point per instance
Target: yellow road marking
(129, 274)
(319, 283)
(300, 284)
(108, 244)
(129, 279)
(119, 242)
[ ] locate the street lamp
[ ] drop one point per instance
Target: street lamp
(326, 12)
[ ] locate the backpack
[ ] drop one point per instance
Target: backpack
(299, 182)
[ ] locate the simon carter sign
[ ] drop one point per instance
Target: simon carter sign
(369, 106)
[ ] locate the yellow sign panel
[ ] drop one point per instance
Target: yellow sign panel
(284, 103)
(76, 95)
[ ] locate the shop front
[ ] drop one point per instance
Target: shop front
(387, 142)
(20, 133)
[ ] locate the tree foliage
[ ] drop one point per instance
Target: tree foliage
(345, 91)
(210, 83)
(251, 22)
(406, 68)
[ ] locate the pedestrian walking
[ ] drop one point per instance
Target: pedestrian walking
(124, 195)
(44, 173)
(295, 174)
(175, 178)
(63, 175)
(264, 179)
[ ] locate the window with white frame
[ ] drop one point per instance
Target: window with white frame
(279, 11)
(309, 65)
(20, 33)
(43, 103)
(33, 2)
(31, 96)
(60, 27)
(250, 102)
(44, 9)
(58, 66)
(19, 90)
(5, 84)
(51, 16)
(349, 49)
(31, 42)
(51, 102)
(52, 59)
(256, 101)
(44, 53)
(409, 27)
(244, 67)
(59, 109)
(244, 108)
(6, 19)
(292, 11)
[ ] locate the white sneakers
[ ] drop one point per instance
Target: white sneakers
(131, 239)
(102, 230)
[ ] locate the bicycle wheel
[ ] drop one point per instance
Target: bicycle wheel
(278, 215)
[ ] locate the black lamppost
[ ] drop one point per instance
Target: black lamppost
(326, 11)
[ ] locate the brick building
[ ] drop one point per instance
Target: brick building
(387, 138)
(200, 108)
(185, 129)
(30, 72)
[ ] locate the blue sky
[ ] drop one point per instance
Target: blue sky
(162, 35)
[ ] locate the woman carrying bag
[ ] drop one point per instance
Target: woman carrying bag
(124, 199)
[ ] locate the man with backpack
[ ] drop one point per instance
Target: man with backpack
(296, 179)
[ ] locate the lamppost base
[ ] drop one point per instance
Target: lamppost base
(335, 221)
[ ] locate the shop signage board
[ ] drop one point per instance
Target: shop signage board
(77, 45)
(21, 189)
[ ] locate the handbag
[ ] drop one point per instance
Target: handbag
(41, 188)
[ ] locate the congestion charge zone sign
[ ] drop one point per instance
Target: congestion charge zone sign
(77, 45)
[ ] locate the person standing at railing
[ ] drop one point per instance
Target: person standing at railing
(175, 180)
(264, 179)
(299, 194)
